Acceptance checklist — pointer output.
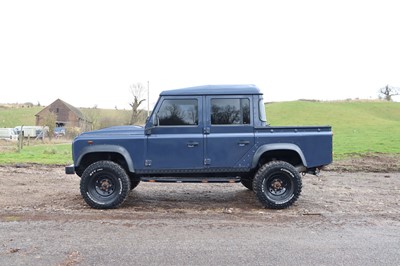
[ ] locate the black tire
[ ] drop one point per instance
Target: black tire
(277, 185)
(247, 182)
(104, 185)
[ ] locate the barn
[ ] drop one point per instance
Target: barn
(66, 115)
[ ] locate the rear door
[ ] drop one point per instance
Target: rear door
(229, 132)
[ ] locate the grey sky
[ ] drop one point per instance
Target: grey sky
(89, 52)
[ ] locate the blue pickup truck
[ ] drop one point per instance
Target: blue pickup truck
(213, 133)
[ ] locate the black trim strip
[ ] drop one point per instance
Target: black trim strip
(192, 171)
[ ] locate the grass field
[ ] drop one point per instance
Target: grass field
(360, 127)
(36, 152)
(12, 117)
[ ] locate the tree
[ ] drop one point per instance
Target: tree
(49, 123)
(388, 92)
(137, 90)
(93, 115)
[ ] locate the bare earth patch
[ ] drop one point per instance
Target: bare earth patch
(376, 163)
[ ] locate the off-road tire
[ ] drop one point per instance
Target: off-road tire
(277, 185)
(105, 185)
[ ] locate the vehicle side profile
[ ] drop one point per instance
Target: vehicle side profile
(213, 133)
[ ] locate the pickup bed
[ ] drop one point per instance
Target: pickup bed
(213, 133)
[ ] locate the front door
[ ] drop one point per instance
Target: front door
(177, 141)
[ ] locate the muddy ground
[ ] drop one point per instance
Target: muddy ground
(44, 192)
(337, 199)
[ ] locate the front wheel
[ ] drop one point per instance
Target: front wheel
(104, 185)
(277, 185)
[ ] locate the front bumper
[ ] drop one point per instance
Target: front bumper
(70, 169)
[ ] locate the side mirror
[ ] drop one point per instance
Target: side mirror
(151, 123)
(149, 126)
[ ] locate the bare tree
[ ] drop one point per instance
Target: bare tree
(388, 92)
(138, 92)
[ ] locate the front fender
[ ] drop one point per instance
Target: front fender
(104, 149)
(275, 147)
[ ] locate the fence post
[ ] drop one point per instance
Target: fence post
(20, 139)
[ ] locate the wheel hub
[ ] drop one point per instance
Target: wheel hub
(277, 184)
(277, 187)
(104, 186)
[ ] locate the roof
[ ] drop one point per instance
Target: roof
(214, 90)
(73, 109)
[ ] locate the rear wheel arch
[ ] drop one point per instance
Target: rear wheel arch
(286, 152)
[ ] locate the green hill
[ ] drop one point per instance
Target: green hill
(359, 127)
(17, 116)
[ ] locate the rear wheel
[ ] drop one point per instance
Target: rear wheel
(104, 185)
(277, 185)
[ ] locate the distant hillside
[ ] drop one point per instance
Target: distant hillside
(359, 127)
(16, 116)
(102, 118)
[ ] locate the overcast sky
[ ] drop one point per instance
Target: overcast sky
(89, 52)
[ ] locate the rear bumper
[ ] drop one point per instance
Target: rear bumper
(70, 169)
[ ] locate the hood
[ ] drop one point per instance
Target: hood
(116, 130)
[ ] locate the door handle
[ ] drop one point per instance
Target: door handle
(243, 143)
(192, 144)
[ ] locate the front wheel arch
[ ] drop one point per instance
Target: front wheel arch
(92, 157)
(94, 153)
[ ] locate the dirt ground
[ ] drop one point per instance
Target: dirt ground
(39, 192)
(350, 213)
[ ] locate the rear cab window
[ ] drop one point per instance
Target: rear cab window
(230, 111)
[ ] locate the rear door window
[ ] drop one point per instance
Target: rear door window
(230, 111)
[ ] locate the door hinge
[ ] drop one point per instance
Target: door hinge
(147, 163)
(207, 130)
(207, 161)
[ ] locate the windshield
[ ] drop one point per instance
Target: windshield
(261, 110)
